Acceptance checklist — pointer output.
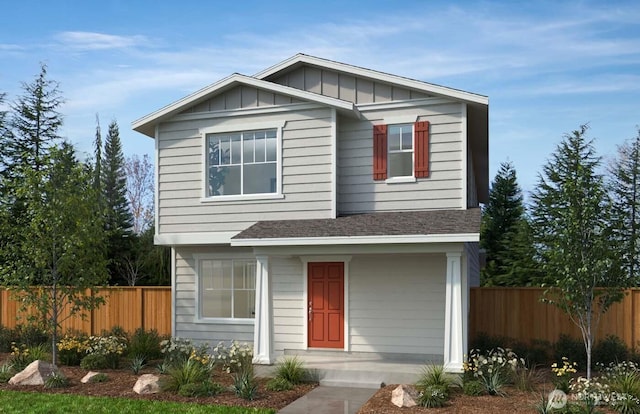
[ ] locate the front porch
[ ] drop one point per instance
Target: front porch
(339, 369)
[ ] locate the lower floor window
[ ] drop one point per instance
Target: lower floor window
(227, 288)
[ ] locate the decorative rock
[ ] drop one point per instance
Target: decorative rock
(34, 374)
(147, 384)
(404, 396)
(87, 378)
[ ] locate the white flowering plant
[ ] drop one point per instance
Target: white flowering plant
(494, 369)
(623, 380)
(235, 357)
(111, 347)
(592, 392)
(176, 350)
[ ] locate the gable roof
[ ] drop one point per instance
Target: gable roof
(146, 124)
(382, 227)
(429, 88)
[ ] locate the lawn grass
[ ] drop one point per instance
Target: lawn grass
(27, 402)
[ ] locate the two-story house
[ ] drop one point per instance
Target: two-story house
(318, 206)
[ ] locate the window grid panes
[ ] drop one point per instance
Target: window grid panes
(242, 163)
(400, 147)
(227, 288)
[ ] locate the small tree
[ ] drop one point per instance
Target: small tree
(573, 233)
(62, 243)
(140, 191)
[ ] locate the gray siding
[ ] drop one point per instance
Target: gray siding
(397, 303)
(306, 175)
(287, 287)
(185, 308)
(345, 86)
(472, 190)
(443, 189)
(240, 97)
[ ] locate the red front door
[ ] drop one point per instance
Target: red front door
(326, 305)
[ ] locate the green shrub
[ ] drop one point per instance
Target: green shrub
(610, 349)
(473, 388)
(32, 335)
(99, 377)
(279, 384)
(71, 349)
(117, 331)
(292, 370)
(8, 336)
(94, 361)
(206, 388)
(485, 342)
(137, 363)
(434, 375)
(56, 380)
(146, 344)
(6, 372)
(189, 372)
(569, 346)
(23, 355)
(433, 396)
(245, 384)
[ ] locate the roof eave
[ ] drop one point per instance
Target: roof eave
(357, 240)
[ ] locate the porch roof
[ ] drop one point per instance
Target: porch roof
(383, 227)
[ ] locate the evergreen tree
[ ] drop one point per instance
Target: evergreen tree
(118, 218)
(505, 234)
(97, 170)
(35, 122)
(625, 192)
(572, 232)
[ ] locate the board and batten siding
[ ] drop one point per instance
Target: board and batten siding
(397, 304)
(344, 86)
(442, 189)
(306, 174)
(241, 97)
(185, 312)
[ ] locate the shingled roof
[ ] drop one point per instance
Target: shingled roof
(436, 222)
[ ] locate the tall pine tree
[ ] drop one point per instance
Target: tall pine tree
(625, 192)
(118, 218)
(505, 234)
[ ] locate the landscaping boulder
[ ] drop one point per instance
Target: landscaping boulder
(404, 396)
(34, 374)
(87, 378)
(147, 384)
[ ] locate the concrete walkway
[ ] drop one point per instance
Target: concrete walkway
(330, 400)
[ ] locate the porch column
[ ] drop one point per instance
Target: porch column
(262, 327)
(453, 329)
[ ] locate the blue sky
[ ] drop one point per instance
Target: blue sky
(547, 67)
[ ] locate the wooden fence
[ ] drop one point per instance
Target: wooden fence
(147, 307)
(518, 313)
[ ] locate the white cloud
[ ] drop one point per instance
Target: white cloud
(86, 41)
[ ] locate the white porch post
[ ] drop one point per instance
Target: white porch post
(262, 328)
(453, 329)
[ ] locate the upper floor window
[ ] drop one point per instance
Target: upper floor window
(242, 163)
(400, 146)
(401, 151)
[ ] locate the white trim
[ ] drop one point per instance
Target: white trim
(143, 124)
(172, 239)
(465, 154)
(262, 330)
(375, 75)
(347, 240)
(173, 292)
(198, 318)
(334, 164)
(453, 328)
(305, 295)
(244, 126)
(247, 197)
(397, 180)
(156, 174)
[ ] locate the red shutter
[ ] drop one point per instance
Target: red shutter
(379, 152)
(422, 149)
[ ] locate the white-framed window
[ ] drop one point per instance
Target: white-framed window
(242, 163)
(227, 288)
(400, 150)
